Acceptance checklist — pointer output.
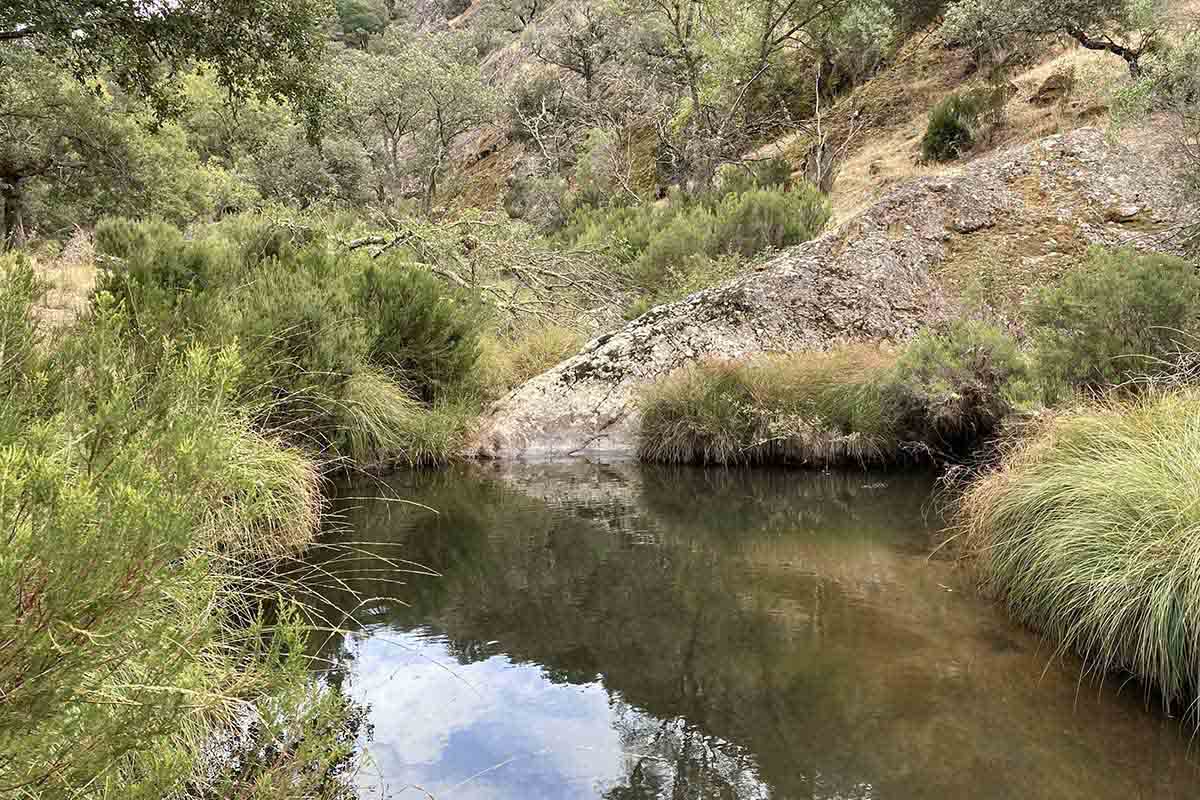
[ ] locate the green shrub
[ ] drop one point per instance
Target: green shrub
(769, 173)
(951, 128)
(769, 219)
(1117, 317)
(958, 384)
(315, 327)
(660, 246)
(1090, 533)
(141, 513)
(418, 328)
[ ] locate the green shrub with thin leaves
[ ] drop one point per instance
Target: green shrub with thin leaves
(418, 328)
(142, 516)
(951, 129)
(1117, 317)
(339, 350)
(661, 246)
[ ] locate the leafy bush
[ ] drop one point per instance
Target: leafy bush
(951, 128)
(958, 383)
(768, 219)
(142, 513)
(769, 173)
(1117, 317)
(1089, 533)
(660, 246)
(418, 328)
(315, 327)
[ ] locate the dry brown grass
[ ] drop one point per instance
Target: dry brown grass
(892, 112)
(71, 276)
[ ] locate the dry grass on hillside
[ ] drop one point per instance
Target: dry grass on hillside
(889, 153)
(71, 277)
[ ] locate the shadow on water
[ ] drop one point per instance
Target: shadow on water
(624, 632)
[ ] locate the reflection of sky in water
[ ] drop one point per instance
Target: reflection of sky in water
(495, 729)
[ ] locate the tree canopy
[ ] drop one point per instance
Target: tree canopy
(260, 47)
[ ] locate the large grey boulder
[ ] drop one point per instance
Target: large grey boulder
(1017, 216)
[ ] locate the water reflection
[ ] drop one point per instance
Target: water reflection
(626, 633)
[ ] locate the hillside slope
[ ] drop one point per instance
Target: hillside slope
(988, 231)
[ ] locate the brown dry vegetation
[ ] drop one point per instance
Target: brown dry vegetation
(70, 278)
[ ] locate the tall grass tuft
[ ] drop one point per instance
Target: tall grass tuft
(1090, 533)
(856, 404)
(812, 408)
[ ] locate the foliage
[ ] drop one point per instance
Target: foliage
(540, 201)
(321, 332)
(1125, 28)
(417, 327)
(143, 515)
(769, 219)
(950, 132)
(1088, 533)
(69, 154)
(1117, 317)
(856, 404)
(662, 245)
(816, 409)
(268, 48)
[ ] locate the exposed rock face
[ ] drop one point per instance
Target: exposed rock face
(1024, 214)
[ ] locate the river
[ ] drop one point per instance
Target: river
(622, 632)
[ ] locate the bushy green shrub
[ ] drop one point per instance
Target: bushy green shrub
(769, 219)
(417, 327)
(307, 320)
(142, 513)
(769, 173)
(958, 383)
(1090, 533)
(951, 128)
(661, 245)
(1117, 317)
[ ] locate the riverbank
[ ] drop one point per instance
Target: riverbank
(145, 512)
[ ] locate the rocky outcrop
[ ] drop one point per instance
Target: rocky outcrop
(1021, 216)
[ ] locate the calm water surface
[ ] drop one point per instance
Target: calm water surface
(625, 633)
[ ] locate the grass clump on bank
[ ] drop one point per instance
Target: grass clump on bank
(143, 514)
(855, 404)
(1090, 533)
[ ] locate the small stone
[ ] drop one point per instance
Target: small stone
(1122, 213)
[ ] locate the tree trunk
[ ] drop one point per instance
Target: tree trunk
(12, 223)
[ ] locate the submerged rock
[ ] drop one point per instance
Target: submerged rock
(1014, 218)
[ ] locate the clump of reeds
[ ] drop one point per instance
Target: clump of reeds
(816, 408)
(1090, 533)
(856, 404)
